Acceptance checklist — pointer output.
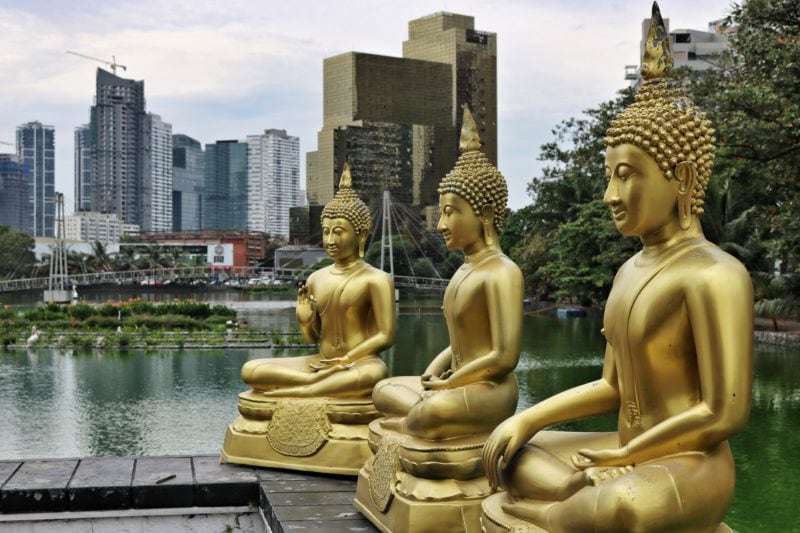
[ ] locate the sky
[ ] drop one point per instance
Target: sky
(227, 69)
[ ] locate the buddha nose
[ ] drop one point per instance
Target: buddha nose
(611, 195)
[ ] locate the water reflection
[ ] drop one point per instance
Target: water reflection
(80, 403)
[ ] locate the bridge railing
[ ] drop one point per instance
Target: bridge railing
(154, 276)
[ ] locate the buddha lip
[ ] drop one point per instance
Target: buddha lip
(618, 214)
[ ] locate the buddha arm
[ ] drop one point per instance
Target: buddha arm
(504, 292)
(440, 364)
(306, 312)
(594, 398)
(381, 293)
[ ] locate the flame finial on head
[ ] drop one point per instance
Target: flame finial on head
(657, 61)
(470, 142)
(346, 181)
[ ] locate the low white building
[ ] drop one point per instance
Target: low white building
(89, 226)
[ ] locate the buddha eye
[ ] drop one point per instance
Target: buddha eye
(625, 171)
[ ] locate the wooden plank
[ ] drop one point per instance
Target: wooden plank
(288, 513)
(311, 498)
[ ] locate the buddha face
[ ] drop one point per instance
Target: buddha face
(641, 199)
(340, 239)
(458, 224)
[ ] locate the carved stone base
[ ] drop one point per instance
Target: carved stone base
(422, 486)
(326, 435)
(495, 520)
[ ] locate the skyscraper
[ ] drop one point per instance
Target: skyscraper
(116, 125)
(273, 179)
(225, 197)
(156, 175)
(14, 193)
(397, 120)
(188, 173)
(83, 168)
(36, 150)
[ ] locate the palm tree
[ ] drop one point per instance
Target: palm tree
(100, 259)
(126, 258)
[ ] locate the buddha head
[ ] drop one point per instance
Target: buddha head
(346, 221)
(472, 196)
(661, 133)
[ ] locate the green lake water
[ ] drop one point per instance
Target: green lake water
(73, 404)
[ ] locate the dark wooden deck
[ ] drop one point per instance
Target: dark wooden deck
(290, 501)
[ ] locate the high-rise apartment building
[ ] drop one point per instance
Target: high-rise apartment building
(224, 204)
(90, 226)
(156, 177)
(117, 119)
(273, 180)
(188, 173)
(397, 120)
(83, 168)
(37, 151)
(14, 185)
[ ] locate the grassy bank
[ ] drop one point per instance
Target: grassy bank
(135, 323)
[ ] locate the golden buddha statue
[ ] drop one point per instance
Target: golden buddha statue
(314, 409)
(678, 361)
(428, 448)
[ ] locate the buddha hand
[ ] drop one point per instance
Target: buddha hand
(306, 305)
(585, 458)
(342, 362)
(434, 383)
(503, 443)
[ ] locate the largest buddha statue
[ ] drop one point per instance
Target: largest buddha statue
(678, 361)
(310, 412)
(427, 473)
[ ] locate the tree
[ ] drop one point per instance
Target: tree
(100, 259)
(564, 241)
(16, 253)
(586, 253)
(754, 103)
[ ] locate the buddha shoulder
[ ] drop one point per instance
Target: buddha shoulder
(377, 276)
(500, 267)
(711, 266)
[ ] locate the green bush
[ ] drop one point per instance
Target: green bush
(46, 313)
(80, 311)
(165, 322)
(123, 339)
(100, 321)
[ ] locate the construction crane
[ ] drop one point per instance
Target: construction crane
(113, 63)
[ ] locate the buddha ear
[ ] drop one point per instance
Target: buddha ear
(686, 176)
(487, 219)
(362, 242)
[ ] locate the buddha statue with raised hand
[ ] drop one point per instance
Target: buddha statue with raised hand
(428, 448)
(314, 409)
(678, 362)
